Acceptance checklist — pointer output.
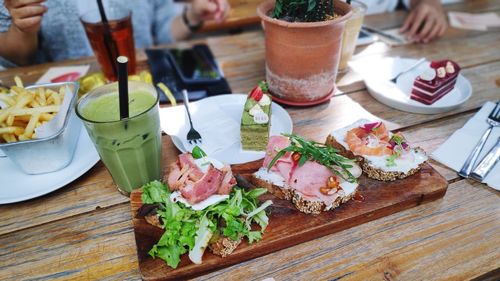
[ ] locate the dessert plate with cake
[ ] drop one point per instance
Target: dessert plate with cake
(234, 128)
(432, 87)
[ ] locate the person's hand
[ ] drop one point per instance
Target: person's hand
(425, 22)
(202, 10)
(26, 14)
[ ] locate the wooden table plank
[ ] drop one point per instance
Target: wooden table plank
(458, 230)
(85, 247)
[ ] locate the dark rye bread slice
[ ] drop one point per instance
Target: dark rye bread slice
(224, 246)
(302, 204)
(370, 171)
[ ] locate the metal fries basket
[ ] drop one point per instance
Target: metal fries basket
(44, 155)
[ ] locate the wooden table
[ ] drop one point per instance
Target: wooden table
(84, 230)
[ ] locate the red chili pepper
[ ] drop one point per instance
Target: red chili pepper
(296, 156)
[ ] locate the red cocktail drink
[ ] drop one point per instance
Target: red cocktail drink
(112, 39)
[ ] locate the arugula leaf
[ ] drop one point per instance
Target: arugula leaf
(256, 193)
(314, 151)
(155, 192)
(273, 161)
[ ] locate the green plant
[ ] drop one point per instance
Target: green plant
(303, 10)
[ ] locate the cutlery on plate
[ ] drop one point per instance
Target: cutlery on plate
(494, 121)
(417, 63)
(192, 136)
(382, 33)
(487, 164)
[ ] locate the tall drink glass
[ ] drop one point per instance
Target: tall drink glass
(112, 40)
(130, 148)
(351, 33)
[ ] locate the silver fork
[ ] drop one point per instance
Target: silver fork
(192, 136)
(494, 121)
(417, 63)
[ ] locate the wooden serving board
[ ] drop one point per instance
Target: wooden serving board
(289, 227)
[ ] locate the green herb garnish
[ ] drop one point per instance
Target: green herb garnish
(391, 159)
(263, 86)
(318, 152)
(198, 153)
(397, 139)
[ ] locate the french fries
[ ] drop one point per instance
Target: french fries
(25, 110)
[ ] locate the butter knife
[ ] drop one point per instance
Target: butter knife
(487, 163)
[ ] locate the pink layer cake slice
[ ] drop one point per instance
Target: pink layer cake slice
(435, 82)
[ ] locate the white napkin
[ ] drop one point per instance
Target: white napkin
(217, 129)
(53, 126)
(57, 71)
(383, 68)
(455, 150)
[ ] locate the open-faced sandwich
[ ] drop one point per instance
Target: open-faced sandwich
(312, 175)
(383, 155)
(201, 207)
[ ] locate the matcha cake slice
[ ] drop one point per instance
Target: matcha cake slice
(256, 119)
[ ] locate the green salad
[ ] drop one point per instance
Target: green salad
(187, 230)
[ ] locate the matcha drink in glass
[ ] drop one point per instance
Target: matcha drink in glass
(351, 33)
(130, 147)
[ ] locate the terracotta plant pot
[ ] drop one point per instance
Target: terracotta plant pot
(302, 57)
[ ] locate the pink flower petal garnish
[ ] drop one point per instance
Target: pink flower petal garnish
(370, 126)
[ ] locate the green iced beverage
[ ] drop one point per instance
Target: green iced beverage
(130, 148)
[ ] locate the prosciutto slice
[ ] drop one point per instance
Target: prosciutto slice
(195, 185)
(187, 160)
(228, 181)
(309, 178)
(184, 170)
(306, 179)
(206, 186)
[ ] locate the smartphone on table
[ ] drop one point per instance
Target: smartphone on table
(195, 65)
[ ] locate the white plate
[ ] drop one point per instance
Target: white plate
(233, 107)
(398, 95)
(18, 186)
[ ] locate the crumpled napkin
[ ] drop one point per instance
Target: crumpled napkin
(217, 129)
(53, 126)
(456, 149)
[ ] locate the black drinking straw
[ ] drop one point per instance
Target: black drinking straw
(123, 85)
(108, 40)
